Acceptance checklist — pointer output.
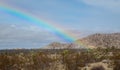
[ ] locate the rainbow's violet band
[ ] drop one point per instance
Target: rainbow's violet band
(43, 24)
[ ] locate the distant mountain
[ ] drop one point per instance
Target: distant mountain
(57, 45)
(91, 41)
(102, 40)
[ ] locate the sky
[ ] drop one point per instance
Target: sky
(76, 17)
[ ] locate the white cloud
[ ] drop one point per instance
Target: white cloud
(10, 33)
(13, 35)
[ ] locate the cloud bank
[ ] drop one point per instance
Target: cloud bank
(29, 36)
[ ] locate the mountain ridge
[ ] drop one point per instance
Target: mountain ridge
(102, 40)
(91, 41)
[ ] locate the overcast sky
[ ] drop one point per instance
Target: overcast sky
(78, 17)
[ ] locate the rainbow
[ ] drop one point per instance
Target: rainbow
(43, 24)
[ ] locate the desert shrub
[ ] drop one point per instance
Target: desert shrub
(74, 61)
(10, 62)
(116, 60)
(41, 61)
(98, 68)
(69, 60)
(116, 65)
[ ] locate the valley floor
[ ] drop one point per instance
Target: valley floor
(92, 59)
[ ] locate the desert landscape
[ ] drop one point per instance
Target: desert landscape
(57, 56)
(59, 35)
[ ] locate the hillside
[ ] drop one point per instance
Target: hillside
(91, 41)
(57, 45)
(102, 40)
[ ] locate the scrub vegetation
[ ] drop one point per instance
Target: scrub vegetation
(92, 59)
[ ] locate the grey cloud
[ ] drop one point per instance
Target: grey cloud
(25, 36)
